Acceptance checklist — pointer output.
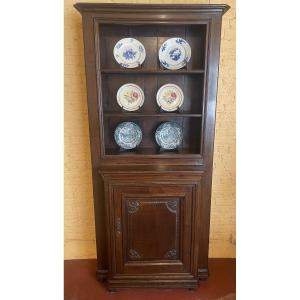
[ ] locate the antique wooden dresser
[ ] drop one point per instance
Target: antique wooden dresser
(152, 205)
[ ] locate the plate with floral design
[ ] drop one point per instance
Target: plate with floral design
(174, 53)
(169, 135)
(128, 135)
(130, 97)
(129, 53)
(169, 97)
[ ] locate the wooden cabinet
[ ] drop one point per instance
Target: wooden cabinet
(152, 207)
(153, 228)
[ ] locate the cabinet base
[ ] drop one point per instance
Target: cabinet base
(203, 274)
(187, 281)
(112, 285)
(101, 275)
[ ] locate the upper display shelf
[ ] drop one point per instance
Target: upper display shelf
(153, 48)
(157, 55)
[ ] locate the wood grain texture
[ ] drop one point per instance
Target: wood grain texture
(79, 218)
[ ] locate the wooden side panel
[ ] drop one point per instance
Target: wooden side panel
(94, 131)
(213, 53)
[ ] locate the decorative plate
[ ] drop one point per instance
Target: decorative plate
(128, 135)
(129, 53)
(130, 97)
(169, 97)
(174, 53)
(169, 135)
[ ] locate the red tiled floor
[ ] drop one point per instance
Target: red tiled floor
(81, 284)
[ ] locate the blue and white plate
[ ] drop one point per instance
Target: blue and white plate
(129, 53)
(169, 135)
(128, 135)
(174, 53)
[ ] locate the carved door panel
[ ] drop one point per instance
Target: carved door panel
(153, 229)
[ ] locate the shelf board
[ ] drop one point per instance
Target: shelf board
(145, 71)
(151, 151)
(140, 114)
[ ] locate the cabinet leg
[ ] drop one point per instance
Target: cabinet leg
(101, 275)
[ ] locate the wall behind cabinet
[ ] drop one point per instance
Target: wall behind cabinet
(79, 215)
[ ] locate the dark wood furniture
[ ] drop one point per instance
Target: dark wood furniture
(152, 209)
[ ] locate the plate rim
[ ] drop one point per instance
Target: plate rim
(139, 88)
(163, 124)
(180, 91)
(135, 125)
(132, 65)
(187, 48)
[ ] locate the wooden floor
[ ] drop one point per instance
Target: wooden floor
(81, 284)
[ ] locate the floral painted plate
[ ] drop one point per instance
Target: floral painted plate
(129, 53)
(130, 97)
(174, 53)
(169, 97)
(128, 135)
(169, 135)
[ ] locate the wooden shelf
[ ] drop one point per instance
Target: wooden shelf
(141, 114)
(145, 71)
(151, 151)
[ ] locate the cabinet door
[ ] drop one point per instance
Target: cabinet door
(153, 229)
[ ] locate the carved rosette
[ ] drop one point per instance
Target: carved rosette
(133, 254)
(172, 206)
(171, 254)
(133, 206)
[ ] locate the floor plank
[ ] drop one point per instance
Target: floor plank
(81, 284)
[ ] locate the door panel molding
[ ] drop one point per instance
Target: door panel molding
(178, 196)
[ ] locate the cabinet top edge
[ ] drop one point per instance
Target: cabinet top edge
(149, 169)
(200, 8)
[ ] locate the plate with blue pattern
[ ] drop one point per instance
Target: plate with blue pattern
(174, 53)
(128, 135)
(129, 53)
(169, 135)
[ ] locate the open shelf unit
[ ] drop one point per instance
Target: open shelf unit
(150, 76)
